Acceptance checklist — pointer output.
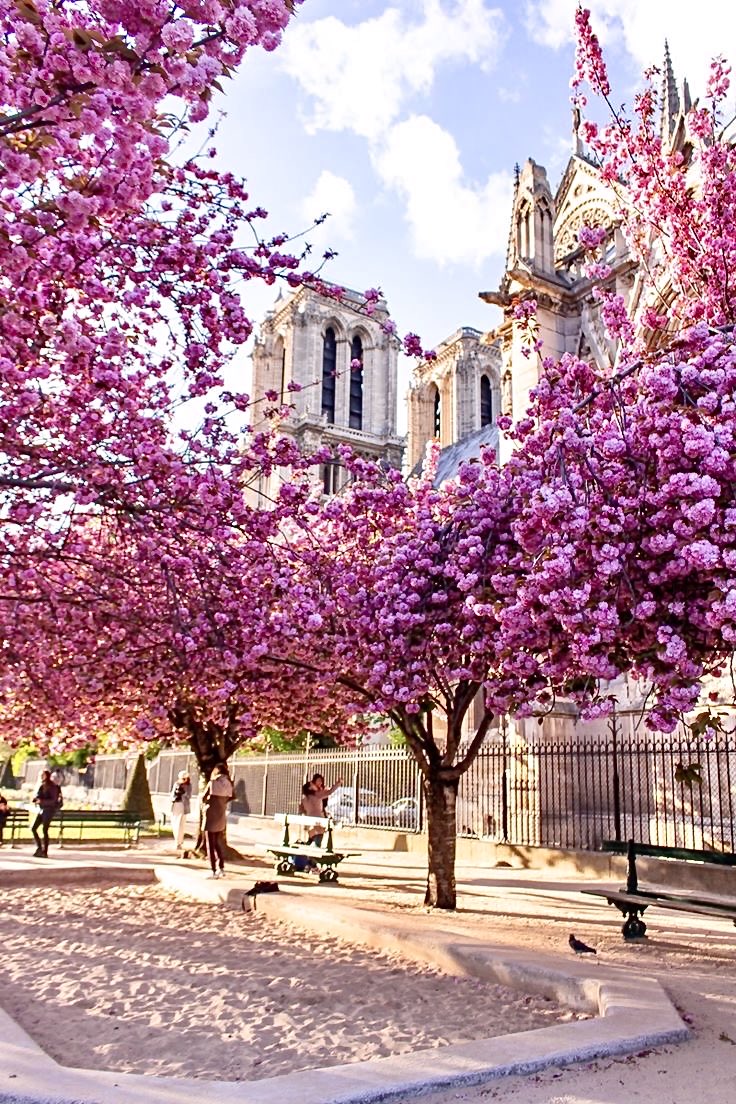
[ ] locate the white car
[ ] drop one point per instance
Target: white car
(406, 813)
(341, 806)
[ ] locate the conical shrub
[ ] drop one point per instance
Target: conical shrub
(137, 798)
(7, 778)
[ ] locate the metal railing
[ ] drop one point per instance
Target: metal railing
(673, 790)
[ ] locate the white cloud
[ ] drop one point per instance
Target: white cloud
(555, 148)
(508, 95)
(695, 33)
(451, 222)
(334, 195)
(359, 77)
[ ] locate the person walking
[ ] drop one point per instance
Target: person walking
(49, 800)
(218, 793)
(4, 810)
(180, 806)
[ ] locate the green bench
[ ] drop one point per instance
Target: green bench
(15, 820)
(632, 900)
(70, 824)
(67, 822)
(323, 855)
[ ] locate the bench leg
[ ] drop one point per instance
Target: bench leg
(633, 926)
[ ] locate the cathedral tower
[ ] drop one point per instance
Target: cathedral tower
(346, 367)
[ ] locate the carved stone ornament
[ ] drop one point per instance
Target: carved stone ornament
(507, 400)
(590, 213)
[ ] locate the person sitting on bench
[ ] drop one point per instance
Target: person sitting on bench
(314, 803)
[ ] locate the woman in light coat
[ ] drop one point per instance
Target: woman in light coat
(181, 796)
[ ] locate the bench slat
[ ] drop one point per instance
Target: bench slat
(313, 853)
(655, 851)
(301, 820)
(726, 912)
(91, 816)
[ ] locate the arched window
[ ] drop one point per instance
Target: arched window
(356, 384)
(507, 395)
(543, 247)
(486, 402)
(437, 423)
(329, 372)
(331, 477)
(523, 231)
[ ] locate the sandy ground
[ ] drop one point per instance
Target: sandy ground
(694, 959)
(210, 1003)
(131, 978)
(702, 1071)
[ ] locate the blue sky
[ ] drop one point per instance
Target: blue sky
(405, 120)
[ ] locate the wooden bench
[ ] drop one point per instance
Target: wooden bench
(70, 820)
(632, 900)
(322, 855)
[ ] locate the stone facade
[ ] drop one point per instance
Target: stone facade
(455, 396)
(544, 261)
(311, 340)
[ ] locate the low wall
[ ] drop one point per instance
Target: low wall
(597, 865)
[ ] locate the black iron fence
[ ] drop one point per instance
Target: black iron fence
(674, 790)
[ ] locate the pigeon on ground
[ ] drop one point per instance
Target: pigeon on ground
(579, 947)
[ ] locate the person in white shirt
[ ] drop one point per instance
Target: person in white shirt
(180, 806)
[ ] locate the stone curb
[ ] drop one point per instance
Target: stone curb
(631, 1016)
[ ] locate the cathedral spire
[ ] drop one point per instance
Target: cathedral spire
(510, 258)
(669, 99)
(686, 98)
(577, 142)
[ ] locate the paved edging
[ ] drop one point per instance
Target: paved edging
(631, 1016)
(49, 875)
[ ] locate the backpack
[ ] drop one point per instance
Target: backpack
(259, 887)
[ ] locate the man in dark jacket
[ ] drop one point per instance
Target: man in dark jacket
(49, 800)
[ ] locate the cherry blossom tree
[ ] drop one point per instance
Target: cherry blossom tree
(137, 629)
(127, 548)
(626, 479)
(392, 607)
(121, 266)
(118, 272)
(143, 597)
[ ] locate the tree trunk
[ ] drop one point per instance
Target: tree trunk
(440, 797)
(442, 765)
